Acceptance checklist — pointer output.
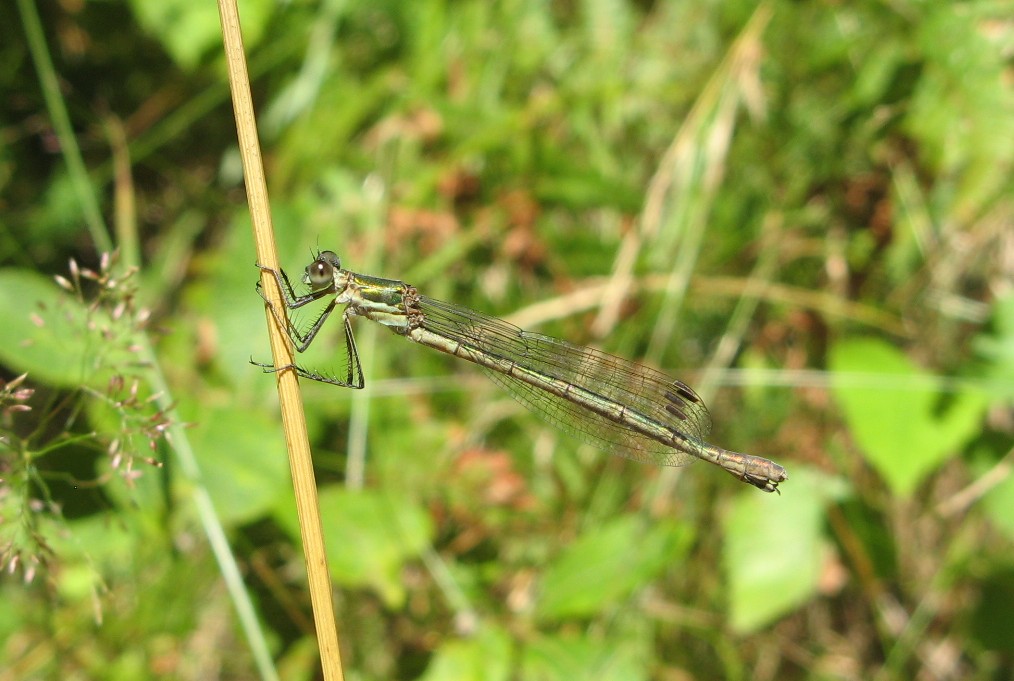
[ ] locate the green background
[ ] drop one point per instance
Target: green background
(803, 209)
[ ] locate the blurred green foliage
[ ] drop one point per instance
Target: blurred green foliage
(801, 208)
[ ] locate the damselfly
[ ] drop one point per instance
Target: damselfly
(609, 402)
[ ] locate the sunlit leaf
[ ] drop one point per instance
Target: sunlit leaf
(904, 424)
(243, 460)
(774, 549)
(483, 657)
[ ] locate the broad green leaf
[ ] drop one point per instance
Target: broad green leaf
(484, 657)
(905, 426)
(46, 333)
(559, 658)
(243, 460)
(369, 537)
(774, 549)
(607, 564)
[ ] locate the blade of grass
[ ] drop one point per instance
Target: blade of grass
(590, 296)
(125, 206)
(61, 124)
(376, 195)
(290, 400)
(684, 188)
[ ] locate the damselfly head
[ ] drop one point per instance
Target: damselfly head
(320, 273)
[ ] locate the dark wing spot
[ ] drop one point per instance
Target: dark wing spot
(685, 392)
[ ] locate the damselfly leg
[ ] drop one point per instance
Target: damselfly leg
(302, 340)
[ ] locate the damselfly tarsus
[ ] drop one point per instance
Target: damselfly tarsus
(609, 402)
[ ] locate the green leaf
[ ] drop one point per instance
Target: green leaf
(774, 549)
(190, 28)
(242, 458)
(485, 657)
(559, 658)
(369, 536)
(49, 334)
(606, 565)
(903, 427)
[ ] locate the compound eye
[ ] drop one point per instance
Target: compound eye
(319, 274)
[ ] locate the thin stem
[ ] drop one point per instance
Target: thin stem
(61, 124)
